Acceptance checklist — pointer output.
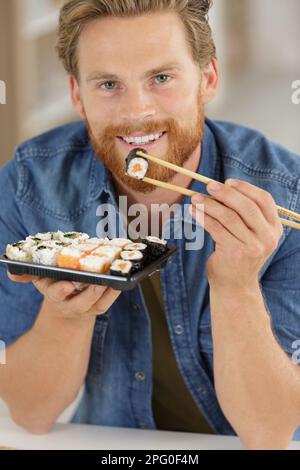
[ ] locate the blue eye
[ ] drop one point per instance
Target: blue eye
(110, 85)
(109, 82)
(165, 76)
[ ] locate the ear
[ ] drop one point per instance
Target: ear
(210, 81)
(76, 97)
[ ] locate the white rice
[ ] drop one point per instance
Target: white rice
(71, 251)
(88, 245)
(95, 264)
(132, 255)
(44, 236)
(118, 264)
(135, 246)
(73, 237)
(120, 242)
(156, 240)
(140, 163)
(111, 252)
(18, 252)
(45, 255)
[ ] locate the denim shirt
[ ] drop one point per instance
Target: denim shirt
(56, 182)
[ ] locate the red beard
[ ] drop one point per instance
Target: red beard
(182, 143)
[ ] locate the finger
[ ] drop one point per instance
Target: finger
(43, 283)
(245, 207)
(83, 302)
(24, 278)
(263, 199)
(216, 230)
(79, 286)
(105, 302)
(226, 216)
(58, 291)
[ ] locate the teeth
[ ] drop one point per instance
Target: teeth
(142, 140)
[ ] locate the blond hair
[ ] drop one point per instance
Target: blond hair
(75, 14)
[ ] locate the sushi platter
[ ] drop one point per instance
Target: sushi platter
(119, 263)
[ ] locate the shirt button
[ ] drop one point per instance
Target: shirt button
(135, 306)
(179, 329)
(143, 426)
(140, 376)
(202, 391)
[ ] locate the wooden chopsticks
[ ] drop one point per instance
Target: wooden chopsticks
(205, 180)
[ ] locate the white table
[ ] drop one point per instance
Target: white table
(83, 437)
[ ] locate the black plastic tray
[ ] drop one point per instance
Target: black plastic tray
(61, 274)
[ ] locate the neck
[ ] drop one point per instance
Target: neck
(160, 195)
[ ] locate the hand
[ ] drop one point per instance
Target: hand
(243, 221)
(65, 299)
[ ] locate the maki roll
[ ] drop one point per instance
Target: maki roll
(136, 246)
(121, 268)
(34, 240)
(88, 246)
(141, 247)
(69, 258)
(111, 252)
(156, 246)
(48, 236)
(136, 166)
(73, 237)
(135, 256)
(132, 255)
(45, 254)
(20, 251)
(120, 242)
(94, 264)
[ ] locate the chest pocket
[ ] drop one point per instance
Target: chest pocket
(96, 362)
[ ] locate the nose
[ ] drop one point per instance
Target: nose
(136, 105)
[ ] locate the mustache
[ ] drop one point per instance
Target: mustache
(149, 128)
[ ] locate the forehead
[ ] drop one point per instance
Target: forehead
(117, 43)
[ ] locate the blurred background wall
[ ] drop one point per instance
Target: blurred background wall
(258, 43)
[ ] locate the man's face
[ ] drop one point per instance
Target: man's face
(137, 78)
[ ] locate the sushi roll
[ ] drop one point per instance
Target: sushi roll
(121, 268)
(52, 244)
(69, 258)
(156, 246)
(132, 255)
(48, 236)
(111, 252)
(45, 254)
(88, 246)
(136, 246)
(33, 241)
(136, 166)
(94, 264)
(73, 237)
(100, 241)
(120, 242)
(20, 251)
(135, 256)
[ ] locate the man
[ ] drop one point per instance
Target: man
(225, 317)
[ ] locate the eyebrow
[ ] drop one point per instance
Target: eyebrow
(110, 76)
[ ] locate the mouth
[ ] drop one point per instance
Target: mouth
(151, 141)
